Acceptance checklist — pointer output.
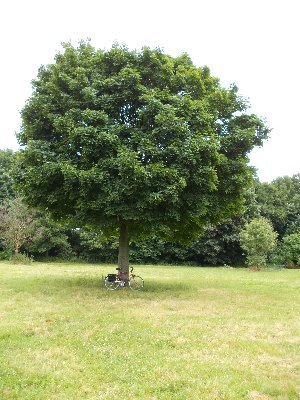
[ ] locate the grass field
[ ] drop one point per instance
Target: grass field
(193, 333)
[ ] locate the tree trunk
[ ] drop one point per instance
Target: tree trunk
(17, 248)
(123, 258)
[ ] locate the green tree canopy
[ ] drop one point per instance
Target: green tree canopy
(135, 142)
(280, 202)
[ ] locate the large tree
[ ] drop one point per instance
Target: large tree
(135, 142)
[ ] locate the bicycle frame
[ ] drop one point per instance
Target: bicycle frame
(114, 281)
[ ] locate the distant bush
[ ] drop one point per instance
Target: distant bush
(289, 250)
(21, 258)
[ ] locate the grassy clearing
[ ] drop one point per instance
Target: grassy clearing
(193, 333)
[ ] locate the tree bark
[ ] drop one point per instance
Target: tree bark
(123, 257)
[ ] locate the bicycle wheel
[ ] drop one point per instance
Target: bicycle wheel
(136, 282)
(111, 285)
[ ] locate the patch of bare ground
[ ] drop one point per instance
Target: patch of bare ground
(254, 395)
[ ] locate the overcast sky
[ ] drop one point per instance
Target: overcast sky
(254, 44)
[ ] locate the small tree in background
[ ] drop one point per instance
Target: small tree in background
(258, 239)
(17, 225)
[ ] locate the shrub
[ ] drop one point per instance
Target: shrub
(289, 250)
(21, 258)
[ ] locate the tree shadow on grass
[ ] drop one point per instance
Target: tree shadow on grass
(52, 285)
(166, 287)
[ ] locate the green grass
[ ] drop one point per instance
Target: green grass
(193, 333)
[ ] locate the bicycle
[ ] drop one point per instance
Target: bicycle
(115, 281)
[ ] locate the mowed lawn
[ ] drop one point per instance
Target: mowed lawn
(192, 333)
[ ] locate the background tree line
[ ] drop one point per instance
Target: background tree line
(32, 232)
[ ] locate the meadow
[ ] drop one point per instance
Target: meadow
(192, 333)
